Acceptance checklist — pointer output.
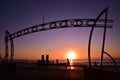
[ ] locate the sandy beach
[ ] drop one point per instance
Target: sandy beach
(45, 73)
(55, 72)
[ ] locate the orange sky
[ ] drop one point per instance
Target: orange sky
(56, 43)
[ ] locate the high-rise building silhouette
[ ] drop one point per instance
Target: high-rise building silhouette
(47, 59)
(42, 58)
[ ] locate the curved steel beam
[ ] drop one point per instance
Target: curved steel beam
(112, 60)
(104, 36)
(7, 34)
(5, 59)
(61, 24)
(92, 29)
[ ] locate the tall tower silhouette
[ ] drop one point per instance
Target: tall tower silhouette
(42, 58)
(47, 59)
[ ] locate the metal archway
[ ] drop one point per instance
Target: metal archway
(7, 34)
(105, 11)
(98, 23)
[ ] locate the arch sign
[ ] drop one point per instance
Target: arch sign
(92, 23)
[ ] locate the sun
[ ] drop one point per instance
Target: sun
(71, 55)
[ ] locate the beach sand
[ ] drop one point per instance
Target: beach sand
(59, 73)
(45, 74)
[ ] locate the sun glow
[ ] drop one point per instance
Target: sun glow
(71, 55)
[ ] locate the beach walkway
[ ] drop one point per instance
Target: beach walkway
(59, 73)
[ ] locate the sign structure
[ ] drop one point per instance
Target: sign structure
(92, 23)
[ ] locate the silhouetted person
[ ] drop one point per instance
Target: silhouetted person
(57, 61)
(0, 57)
(68, 62)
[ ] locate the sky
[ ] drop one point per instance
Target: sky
(16, 15)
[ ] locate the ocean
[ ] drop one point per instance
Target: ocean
(85, 62)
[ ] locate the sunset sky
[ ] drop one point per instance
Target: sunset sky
(16, 15)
